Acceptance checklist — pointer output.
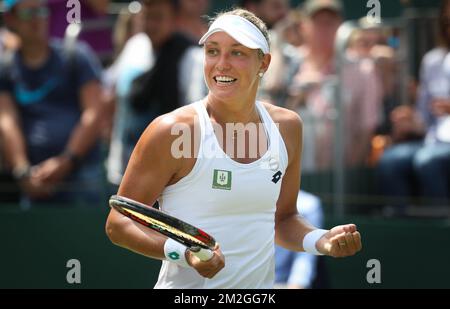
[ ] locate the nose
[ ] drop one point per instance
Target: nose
(223, 63)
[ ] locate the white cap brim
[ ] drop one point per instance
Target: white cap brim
(240, 29)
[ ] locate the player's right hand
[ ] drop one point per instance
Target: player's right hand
(210, 268)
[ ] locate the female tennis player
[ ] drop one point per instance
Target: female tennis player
(240, 188)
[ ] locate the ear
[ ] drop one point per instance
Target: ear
(266, 62)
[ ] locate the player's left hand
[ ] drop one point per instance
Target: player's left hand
(340, 241)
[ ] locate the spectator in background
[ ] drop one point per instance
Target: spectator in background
(371, 43)
(273, 12)
(270, 11)
(285, 59)
(129, 23)
(49, 113)
(299, 270)
(427, 161)
(9, 42)
(312, 92)
(96, 25)
(290, 28)
(189, 19)
(149, 67)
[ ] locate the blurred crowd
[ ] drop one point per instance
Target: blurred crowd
(74, 98)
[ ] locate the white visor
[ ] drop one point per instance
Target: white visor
(239, 29)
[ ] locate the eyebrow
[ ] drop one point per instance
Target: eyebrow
(215, 43)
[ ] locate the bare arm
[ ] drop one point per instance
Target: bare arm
(290, 228)
(86, 133)
(150, 169)
(15, 152)
(11, 133)
(83, 137)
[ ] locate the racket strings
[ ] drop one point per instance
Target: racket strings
(162, 226)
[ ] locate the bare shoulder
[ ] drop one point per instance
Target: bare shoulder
(290, 126)
(159, 136)
(185, 114)
(283, 116)
(153, 165)
(162, 127)
(289, 121)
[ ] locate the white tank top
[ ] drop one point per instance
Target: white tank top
(235, 203)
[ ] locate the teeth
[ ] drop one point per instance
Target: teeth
(225, 79)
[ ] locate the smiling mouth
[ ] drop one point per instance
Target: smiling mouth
(224, 80)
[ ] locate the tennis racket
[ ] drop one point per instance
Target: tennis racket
(200, 243)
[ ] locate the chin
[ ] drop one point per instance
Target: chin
(220, 92)
(223, 96)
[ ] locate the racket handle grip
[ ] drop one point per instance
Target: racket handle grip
(203, 254)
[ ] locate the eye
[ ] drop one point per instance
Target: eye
(212, 52)
(237, 53)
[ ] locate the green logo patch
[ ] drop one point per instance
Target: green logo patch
(222, 180)
(174, 256)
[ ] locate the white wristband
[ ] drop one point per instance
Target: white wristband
(310, 240)
(175, 252)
